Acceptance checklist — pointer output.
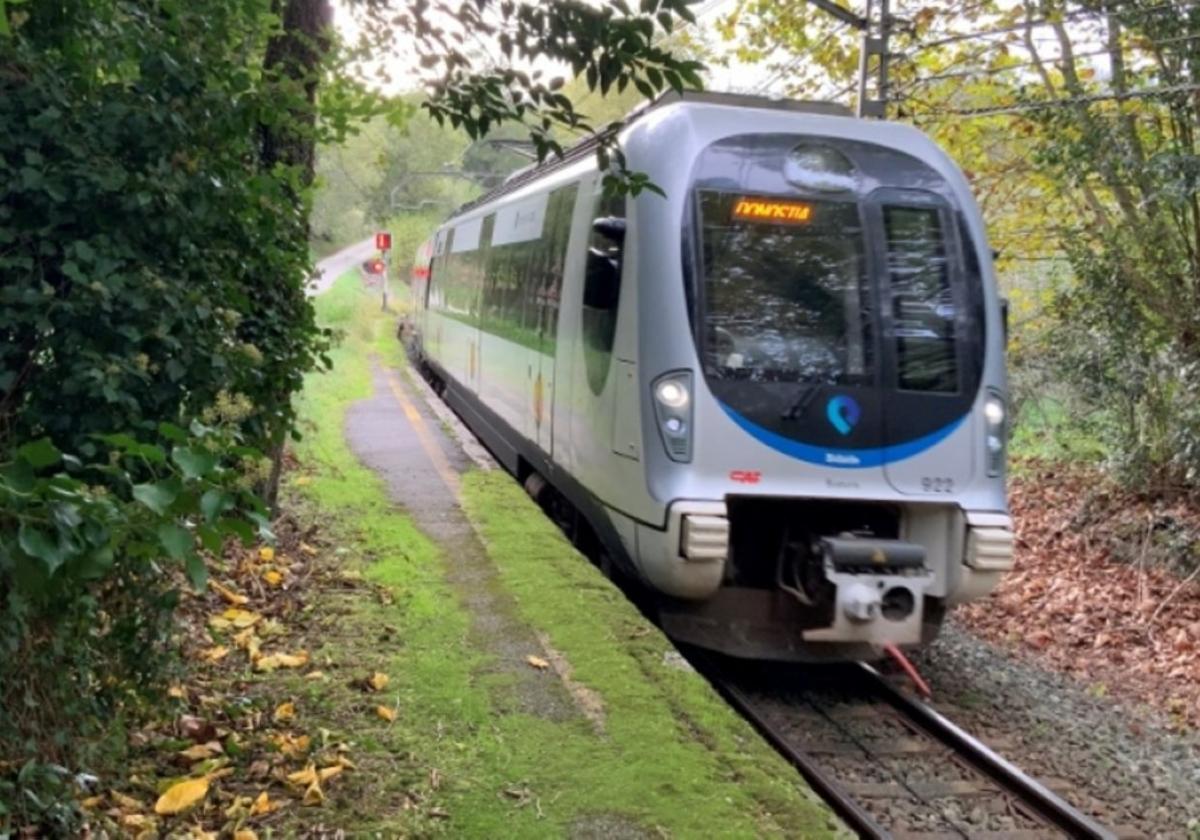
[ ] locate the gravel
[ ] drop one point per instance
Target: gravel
(1126, 766)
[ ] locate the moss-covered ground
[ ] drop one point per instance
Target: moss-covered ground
(660, 755)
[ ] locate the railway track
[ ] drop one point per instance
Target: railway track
(890, 765)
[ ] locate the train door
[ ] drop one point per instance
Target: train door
(548, 278)
(932, 353)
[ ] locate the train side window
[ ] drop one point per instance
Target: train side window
(924, 312)
(602, 288)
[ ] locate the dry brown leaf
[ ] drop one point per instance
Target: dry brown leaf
(182, 797)
(284, 712)
(386, 713)
(377, 681)
(537, 662)
(228, 595)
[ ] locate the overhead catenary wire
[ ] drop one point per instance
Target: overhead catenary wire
(1025, 107)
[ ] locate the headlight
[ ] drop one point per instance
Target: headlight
(995, 418)
(671, 393)
(673, 411)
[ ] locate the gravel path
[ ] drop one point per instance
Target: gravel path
(1125, 766)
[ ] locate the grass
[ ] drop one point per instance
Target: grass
(671, 758)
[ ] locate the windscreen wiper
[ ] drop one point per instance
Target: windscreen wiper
(803, 401)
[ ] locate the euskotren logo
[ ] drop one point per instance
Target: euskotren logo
(843, 413)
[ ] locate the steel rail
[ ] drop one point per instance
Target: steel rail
(1048, 804)
(846, 807)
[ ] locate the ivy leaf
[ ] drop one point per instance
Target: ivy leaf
(213, 503)
(176, 540)
(195, 463)
(36, 543)
(172, 432)
(40, 453)
(158, 496)
(197, 572)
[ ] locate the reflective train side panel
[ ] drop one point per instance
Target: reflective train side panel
(776, 395)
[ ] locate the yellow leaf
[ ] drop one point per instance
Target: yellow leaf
(285, 712)
(136, 821)
(378, 681)
(92, 802)
(177, 691)
(308, 549)
(305, 777)
(314, 796)
(181, 797)
(240, 618)
(387, 714)
(315, 675)
(229, 595)
(537, 662)
(244, 834)
(127, 803)
(272, 577)
(330, 772)
(290, 745)
(264, 805)
(302, 480)
(345, 762)
(199, 752)
(281, 660)
(266, 553)
(214, 654)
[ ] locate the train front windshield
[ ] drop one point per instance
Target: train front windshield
(849, 320)
(785, 298)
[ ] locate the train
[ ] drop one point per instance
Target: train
(772, 391)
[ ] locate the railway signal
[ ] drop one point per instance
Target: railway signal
(383, 242)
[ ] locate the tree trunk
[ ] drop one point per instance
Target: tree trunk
(293, 63)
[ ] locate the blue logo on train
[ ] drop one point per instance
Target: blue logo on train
(843, 413)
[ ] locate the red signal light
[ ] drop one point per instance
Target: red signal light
(383, 241)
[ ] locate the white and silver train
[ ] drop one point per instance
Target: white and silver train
(776, 396)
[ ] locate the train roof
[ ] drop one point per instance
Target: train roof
(738, 100)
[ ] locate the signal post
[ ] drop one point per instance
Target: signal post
(383, 242)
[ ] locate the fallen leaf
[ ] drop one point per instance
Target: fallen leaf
(305, 548)
(281, 660)
(266, 554)
(244, 834)
(345, 762)
(136, 821)
(272, 577)
(200, 752)
(264, 805)
(315, 675)
(537, 662)
(214, 654)
(387, 714)
(314, 795)
(92, 802)
(292, 746)
(178, 692)
(240, 618)
(378, 681)
(330, 772)
(181, 797)
(230, 597)
(303, 778)
(302, 480)
(284, 712)
(126, 803)
(197, 729)
(270, 628)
